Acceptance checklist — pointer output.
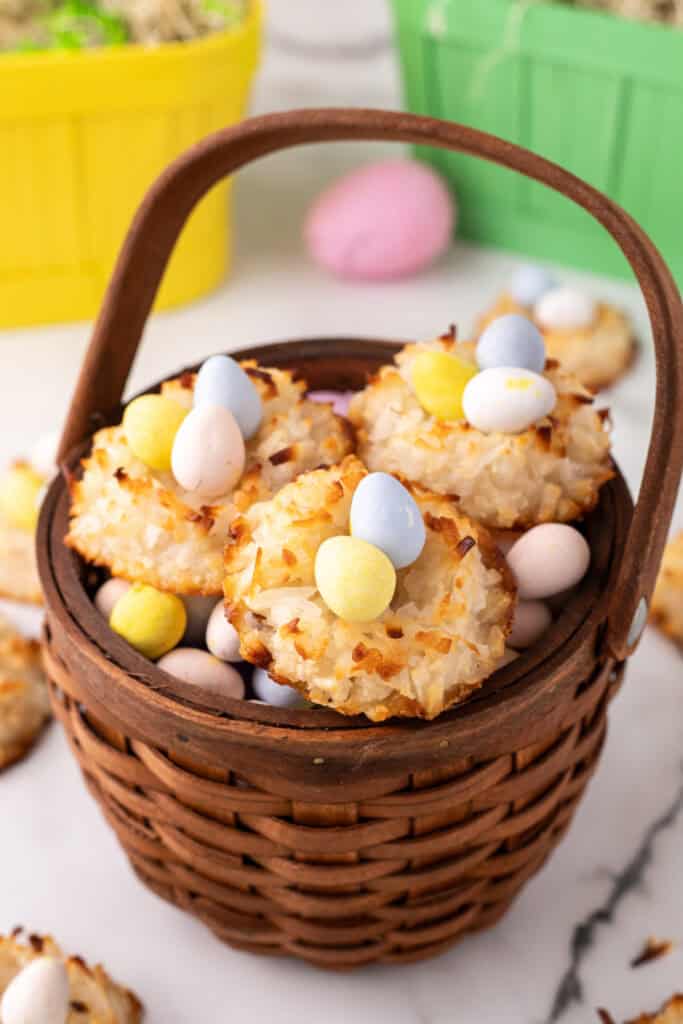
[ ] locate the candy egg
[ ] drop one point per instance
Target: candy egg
(355, 579)
(511, 340)
(531, 619)
(21, 491)
(109, 594)
(547, 559)
(198, 609)
(151, 621)
(507, 399)
(565, 309)
(530, 283)
(270, 692)
(222, 381)
(385, 514)
(43, 455)
(222, 638)
(208, 454)
(38, 994)
(204, 671)
(150, 424)
(385, 220)
(339, 400)
(439, 380)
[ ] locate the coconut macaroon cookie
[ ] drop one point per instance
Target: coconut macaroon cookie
(323, 607)
(159, 491)
(667, 602)
(594, 341)
(24, 703)
(39, 983)
(515, 439)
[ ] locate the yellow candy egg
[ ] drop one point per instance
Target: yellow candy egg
(439, 380)
(20, 493)
(151, 621)
(150, 424)
(355, 579)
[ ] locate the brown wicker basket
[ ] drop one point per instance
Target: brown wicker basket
(305, 833)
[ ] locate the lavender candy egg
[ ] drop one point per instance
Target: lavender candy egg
(208, 452)
(203, 671)
(222, 638)
(108, 595)
(548, 559)
(530, 283)
(383, 221)
(198, 610)
(511, 340)
(531, 619)
(385, 514)
(339, 400)
(275, 694)
(222, 381)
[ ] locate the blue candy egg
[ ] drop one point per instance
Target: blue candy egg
(511, 340)
(270, 692)
(385, 514)
(222, 381)
(530, 283)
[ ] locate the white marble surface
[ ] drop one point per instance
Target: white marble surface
(566, 945)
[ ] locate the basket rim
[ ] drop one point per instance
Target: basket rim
(534, 679)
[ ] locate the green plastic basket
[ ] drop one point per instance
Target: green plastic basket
(600, 95)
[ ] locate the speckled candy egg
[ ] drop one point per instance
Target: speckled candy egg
(548, 559)
(386, 220)
(38, 994)
(270, 692)
(511, 340)
(355, 579)
(198, 668)
(565, 309)
(531, 619)
(507, 399)
(109, 594)
(222, 381)
(531, 282)
(385, 514)
(222, 638)
(208, 453)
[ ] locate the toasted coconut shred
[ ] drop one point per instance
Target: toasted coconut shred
(550, 473)
(598, 355)
(443, 634)
(142, 526)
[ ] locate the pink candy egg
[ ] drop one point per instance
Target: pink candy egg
(339, 400)
(547, 559)
(531, 620)
(203, 671)
(386, 220)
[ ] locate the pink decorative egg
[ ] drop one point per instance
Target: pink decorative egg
(339, 400)
(386, 220)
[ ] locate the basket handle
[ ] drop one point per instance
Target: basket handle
(170, 200)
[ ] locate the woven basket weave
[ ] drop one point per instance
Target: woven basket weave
(336, 840)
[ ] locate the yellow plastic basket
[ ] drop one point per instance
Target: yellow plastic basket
(82, 136)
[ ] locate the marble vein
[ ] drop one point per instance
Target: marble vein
(570, 989)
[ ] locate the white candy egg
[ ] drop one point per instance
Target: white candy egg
(198, 610)
(208, 452)
(270, 692)
(547, 559)
(108, 594)
(222, 638)
(43, 455)
(531, 620)
(565, 309)
(39, 994)
(507, 399)
(204, 671)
